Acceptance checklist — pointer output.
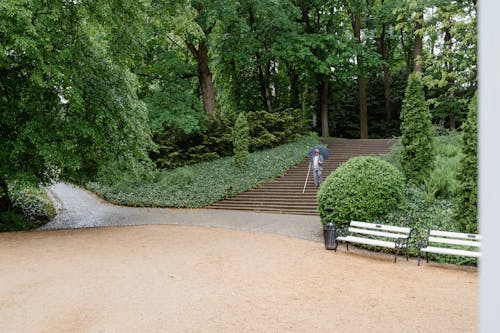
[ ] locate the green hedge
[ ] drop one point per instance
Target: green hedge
(177, 148)
(204, 183)
(360, 189)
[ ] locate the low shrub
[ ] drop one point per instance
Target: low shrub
(32, 207)
(177, 148)
(420, 215)
(361, 189)
(202, 184)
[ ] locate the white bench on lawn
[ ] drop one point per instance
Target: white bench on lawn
(445, 242)
(387, 236)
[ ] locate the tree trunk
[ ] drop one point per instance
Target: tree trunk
(387, 74)
(451, 122)
(294, 89)
(5, 202)
(406, 54)
(206, 83)
(324, 107)
(418, 42)
(305, 93)
(205, 77)
(448, 44)
(363, 106)
(264, 89)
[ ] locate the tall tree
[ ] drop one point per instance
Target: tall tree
(67, 103)
(330, 48)
(417, 157)
(355, 12)
(199, 48)
(450, 59)
(466, 211)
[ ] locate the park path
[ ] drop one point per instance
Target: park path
(78, 208)
(252, 210)
(160, 272)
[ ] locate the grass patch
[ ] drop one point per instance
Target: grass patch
(202, 184)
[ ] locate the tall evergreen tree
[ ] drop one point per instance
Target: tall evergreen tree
(466, 196)
(241, 140)
(417, 157)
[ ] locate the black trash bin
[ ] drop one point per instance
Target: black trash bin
(329, 232)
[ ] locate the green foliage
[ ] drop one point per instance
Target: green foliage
(361, 189)
(241, 141)
(421, 215)
(417, 157)
(433, 206)
(442, 182)
(466, 198)
(204, 183)
(68, 97)
(31, 207)
(267, 129)
(32, 201)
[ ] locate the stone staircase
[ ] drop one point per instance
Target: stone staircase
(284, 195)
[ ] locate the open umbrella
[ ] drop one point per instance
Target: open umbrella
(322, 150)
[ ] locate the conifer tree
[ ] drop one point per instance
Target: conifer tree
(466, 196)
(241, 138)
(417, 157)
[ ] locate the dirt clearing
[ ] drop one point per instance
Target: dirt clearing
(199, 279)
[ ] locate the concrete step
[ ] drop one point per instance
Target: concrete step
(284, 194)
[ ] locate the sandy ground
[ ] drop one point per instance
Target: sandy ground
(164, 278)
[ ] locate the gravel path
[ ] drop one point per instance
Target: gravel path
(202, 275)
(78, 208)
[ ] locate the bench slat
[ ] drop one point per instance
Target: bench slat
(441, 250)
(460, 235)
(375, 242)
(453, 241)
(377, 233)
(367, 225)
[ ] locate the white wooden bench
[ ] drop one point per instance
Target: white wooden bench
(374, 234)
(452, 243)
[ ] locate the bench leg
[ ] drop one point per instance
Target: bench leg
(347, 245)
(396, 255)
(427, 256)
(419, 257)
(406, 252)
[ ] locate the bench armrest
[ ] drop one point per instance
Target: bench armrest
(422, 244)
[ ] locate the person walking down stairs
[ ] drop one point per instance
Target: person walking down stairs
(317, 166)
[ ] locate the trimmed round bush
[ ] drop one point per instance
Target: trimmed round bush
(361, 189)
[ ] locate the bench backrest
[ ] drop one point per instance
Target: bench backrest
(379, 229)
(454, 238)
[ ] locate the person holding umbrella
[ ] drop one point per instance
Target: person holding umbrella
(317, 156)
(317, 166)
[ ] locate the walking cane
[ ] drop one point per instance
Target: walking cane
(307, 177)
